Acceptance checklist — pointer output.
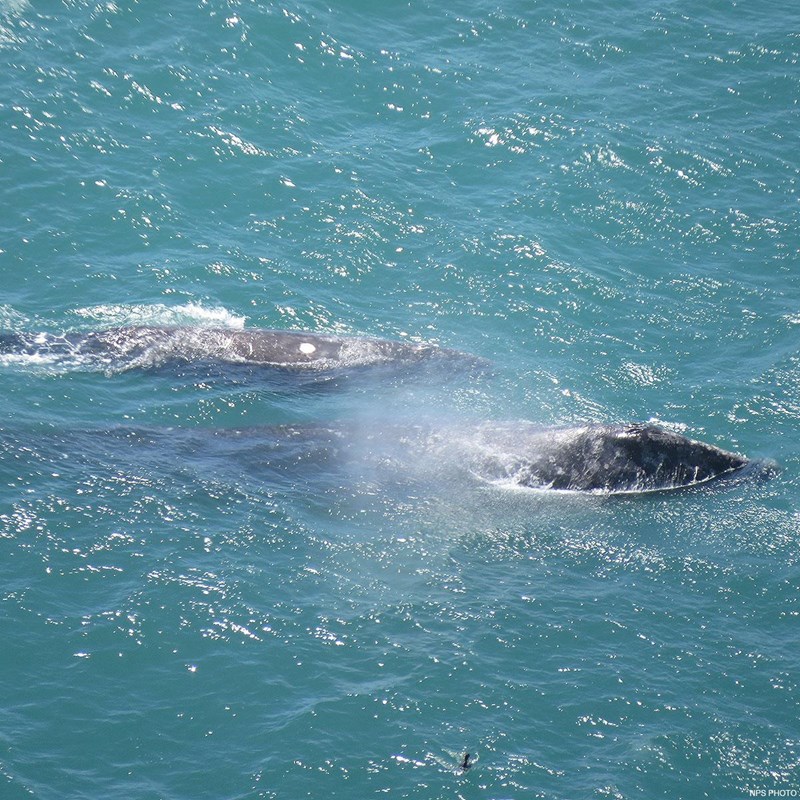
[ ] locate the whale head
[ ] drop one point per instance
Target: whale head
(622, 459)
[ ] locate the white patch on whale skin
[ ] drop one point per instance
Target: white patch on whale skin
(307, 348)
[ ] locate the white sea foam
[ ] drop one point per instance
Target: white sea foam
(14, 6)
(160, 314)
(10, 318)
(41, 360)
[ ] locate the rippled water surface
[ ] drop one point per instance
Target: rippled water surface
(213, 583)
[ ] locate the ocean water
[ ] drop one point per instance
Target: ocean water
(600, 199)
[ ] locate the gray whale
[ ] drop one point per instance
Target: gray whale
(594, 459)
(151, 346)
(347, 459)
(602, 459)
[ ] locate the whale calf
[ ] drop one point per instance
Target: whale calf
(150, 346)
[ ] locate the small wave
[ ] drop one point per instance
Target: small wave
(14, 7)
(41, 360)
(10, 318)
(159, 314)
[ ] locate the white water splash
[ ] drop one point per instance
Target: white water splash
(10, 318)
(161, 315)
(14, 6)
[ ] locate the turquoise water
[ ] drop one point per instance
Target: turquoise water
(600, 199)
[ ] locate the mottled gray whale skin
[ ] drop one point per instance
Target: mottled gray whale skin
(590, 459)
(143, 346)
(603, 459)
(595, 460)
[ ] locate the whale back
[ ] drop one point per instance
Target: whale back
(146, 346)
(610, 459)
(631, 458)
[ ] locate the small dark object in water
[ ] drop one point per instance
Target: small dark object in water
(466, 763)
